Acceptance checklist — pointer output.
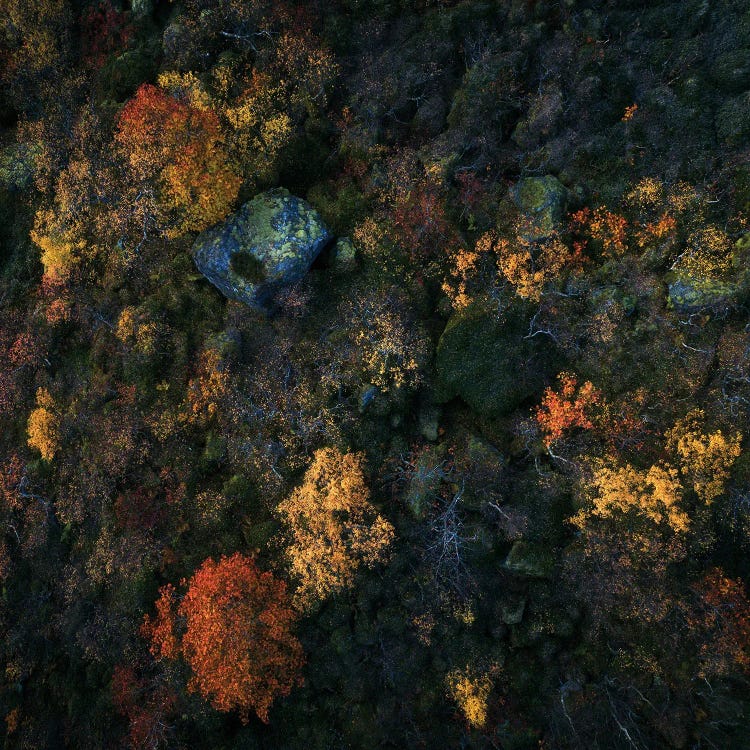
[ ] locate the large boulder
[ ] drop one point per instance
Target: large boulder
(268, 244)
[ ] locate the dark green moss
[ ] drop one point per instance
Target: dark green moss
(484, 358)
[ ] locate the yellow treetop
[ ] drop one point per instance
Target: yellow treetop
(208, 388)
(626, 491)
(61, 248)
(44, 426)
(704, 458)
(708, 253)
(470, 691)
(334, 528)
(530, 265)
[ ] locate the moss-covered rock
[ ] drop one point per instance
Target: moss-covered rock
(269, 243)
(342, 208)
(689, 295)
(344, 256)
(483, 358)
(122, 74)
(542, 200)
(530, 560)
(512, 607)
(733, 120)
(429, 422)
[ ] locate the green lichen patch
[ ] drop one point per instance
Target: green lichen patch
(689, 295)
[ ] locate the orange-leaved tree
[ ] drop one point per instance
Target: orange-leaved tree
(334, 528)
(234, 628)
(607, 229)
(571, 406)
(177, 146)
(530, 265)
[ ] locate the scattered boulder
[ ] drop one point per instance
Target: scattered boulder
(270, 243)
(512, 609)
(344, 256)
(429, 422)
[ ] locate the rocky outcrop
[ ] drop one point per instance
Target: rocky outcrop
(690, 295)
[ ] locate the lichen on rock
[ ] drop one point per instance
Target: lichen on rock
(690, 295)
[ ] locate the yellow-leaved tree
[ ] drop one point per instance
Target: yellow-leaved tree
(334, 529)
(626, 491)
(44, 425)
(531, 265)
(470, 690)
(704, 458)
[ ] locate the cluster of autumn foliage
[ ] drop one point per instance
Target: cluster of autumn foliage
(480, 480)
(237, 635)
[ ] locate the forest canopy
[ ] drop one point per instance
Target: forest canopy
(374, 374)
